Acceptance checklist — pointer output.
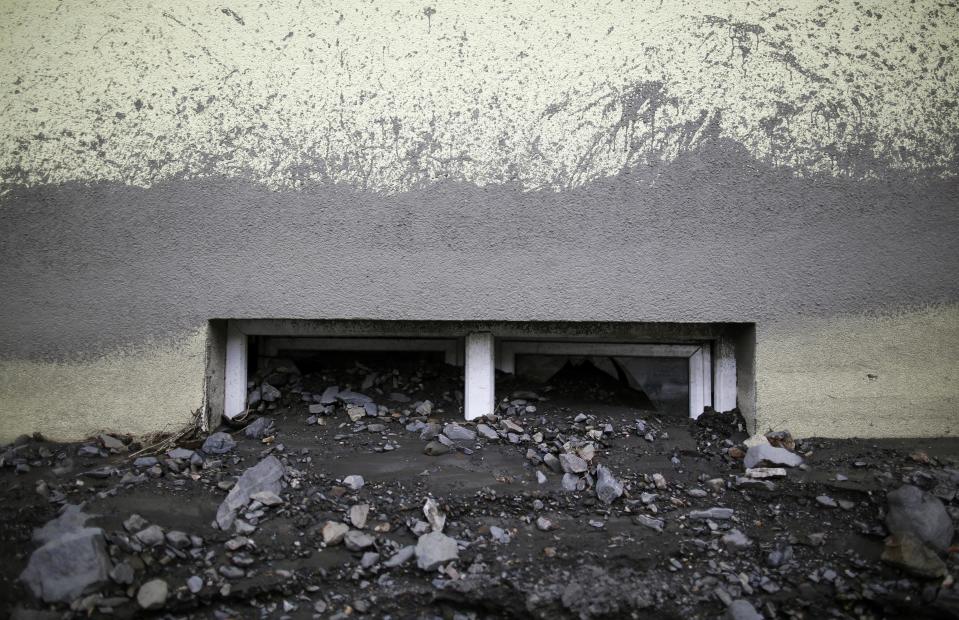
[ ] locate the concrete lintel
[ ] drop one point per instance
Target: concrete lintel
(480, 375)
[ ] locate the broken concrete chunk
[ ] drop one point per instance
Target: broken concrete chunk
(435, 549)
(266, 475)
(921, 514)
(67, 567)
(765, 453)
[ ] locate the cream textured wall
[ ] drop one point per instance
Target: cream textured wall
(165, 163)
(392, 95)
(154, 386)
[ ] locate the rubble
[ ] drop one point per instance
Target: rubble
(264, 476)
(67, 566)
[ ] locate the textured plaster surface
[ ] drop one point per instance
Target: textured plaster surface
(153, 386)
(393, 95)
(164, 164)
(875, 376)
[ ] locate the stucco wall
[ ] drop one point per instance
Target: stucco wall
(688, 162)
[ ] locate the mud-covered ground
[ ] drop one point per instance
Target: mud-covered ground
(633, 543)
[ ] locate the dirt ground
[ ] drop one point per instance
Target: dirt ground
(804, 545)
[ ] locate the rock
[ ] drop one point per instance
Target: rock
(571, 483)
(135, 523)
(435, 549)
(719, 514)
(487, 431)
(400, 557)
(269, 393)
(354, 482)
(267, 498)
(435, 448)
(908, 552)
(333, 532)
(921, 514)
(67, 567)
(266, 475)
(151, 536)
(194, 584)
(458, 433)
(122, 574)
(765, 453)
(111, 443)
(359, 514)
(761, 473)
(659, 481)
(540, 477)
(572, 464)
(355, 540)
(145, 461)
(219, 443)
(353, 398)
(736, 539)
(71, 518)
(259, 428)
(178, 540)
(552, 462)
(434, 516)
(608, 488)
(781, 554)
(825, 500)
(180, 454)
(329, 395)
(545, 525)
(742, 609)
(398, 397)
(356, 412)
(369, 559)
(424, 408)
(152, 594)
(650, 522)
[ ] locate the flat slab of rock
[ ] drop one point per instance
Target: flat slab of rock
(765, 453)
(267, 475)
(67, 567)
(435, 549)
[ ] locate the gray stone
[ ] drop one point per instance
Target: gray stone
(650, 522)
(921, 514)
(736, 539)
(152, 594)
(359, 514)
(333, 532)
(572, 464)
(424, 408)
(259, 428)
(194, 584)
(435, 549)
(266, 475)
(269, 393)
(544, 524)
(178, 539)
(122, 574)
(111, 443)
(719, 514)
(908, 552)
(354, 482)
(458, 433)
(435, 448)
(552, 462)
(571, 482)
(608, 488)
(742, 609)
(400, 557)
(180, 454)
(67, 567)
(355, 540)
(369, 559)
(329, 395)
(145, 461)
(765, 453)
(71, 518)
(151, 536)
(353, 398)
(219, 443)
(487, 431)
(135, 523)
(267, 498)
(826, 501)
(398, 397)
